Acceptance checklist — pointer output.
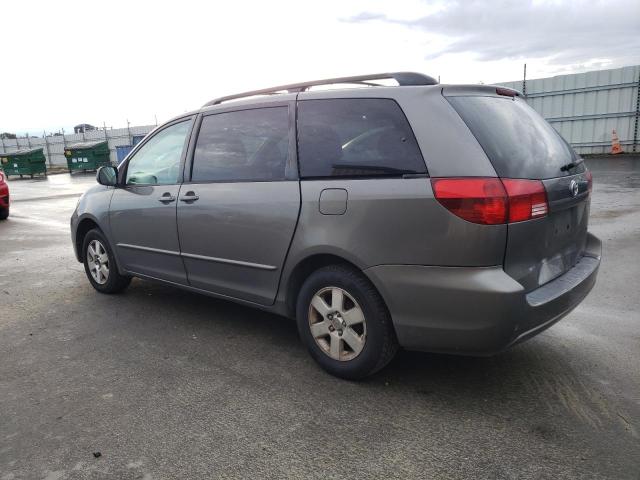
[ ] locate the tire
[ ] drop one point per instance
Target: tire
(112, 281)
(4, 213)
(375, 338)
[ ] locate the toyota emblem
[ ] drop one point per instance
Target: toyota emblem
(573, 188)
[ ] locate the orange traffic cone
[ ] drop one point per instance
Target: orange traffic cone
(615, 144)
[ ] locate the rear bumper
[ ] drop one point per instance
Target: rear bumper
(477, 310)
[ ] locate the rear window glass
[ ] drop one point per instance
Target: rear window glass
(517, 140)
(355, 137)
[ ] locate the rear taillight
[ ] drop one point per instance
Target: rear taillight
(492, 201)
(589, 180)
(478, 200)
(527, 199)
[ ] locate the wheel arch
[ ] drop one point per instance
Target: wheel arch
(84, 226)
(306, 267)
(87, 223)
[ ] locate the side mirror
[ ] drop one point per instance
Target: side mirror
(107, 176)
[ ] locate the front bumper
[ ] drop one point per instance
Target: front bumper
(477, 310)
(73, 224)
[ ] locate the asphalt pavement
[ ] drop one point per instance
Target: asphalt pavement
(158, 383)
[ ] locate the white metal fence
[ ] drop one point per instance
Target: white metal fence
(583, 107)
(53, 145)
(586, 107)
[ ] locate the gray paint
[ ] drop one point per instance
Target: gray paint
(443, 279)
(247, 224)
(476, 311)
(333, 201)
(542, 249)
(138, 218)
(93, 206)
(392, 221)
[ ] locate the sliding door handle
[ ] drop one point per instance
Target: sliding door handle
(189, 197)
(167, 198)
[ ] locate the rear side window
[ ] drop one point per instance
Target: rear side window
(247, 145)
(517, 140)
(355, 137)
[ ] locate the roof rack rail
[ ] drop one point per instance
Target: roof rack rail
(403, 79)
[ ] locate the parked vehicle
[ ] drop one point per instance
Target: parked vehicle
(447, 218)
(4, 197)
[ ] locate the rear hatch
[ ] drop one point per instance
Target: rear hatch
(522, 145)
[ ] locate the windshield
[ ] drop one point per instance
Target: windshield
(517, 140)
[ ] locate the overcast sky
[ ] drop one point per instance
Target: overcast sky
(68, 62)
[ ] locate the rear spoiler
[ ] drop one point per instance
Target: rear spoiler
(479, 90)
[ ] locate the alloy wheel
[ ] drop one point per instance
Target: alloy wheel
(337, 323)
(98, 262)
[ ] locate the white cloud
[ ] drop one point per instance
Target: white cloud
(76, 61)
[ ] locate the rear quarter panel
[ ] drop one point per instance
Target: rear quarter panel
(392, 221)
(398, 220)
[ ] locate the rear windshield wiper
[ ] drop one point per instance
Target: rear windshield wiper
(569, 166)
(374, 168)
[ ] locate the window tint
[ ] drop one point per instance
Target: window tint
(517, 140)
(249, 145)
(158, 161)
(355, 137)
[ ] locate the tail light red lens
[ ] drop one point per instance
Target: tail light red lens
(492, 201)
(506, 92)
(527, 199)
(477, 200)
(589, 177)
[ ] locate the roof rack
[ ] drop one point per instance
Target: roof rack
(403, 79)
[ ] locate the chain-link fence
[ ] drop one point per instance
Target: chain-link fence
(53, 145)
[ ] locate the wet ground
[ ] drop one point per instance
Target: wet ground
(167, 384)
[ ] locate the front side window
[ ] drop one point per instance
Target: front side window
(247, 145)
(356, 137)
(158, 161)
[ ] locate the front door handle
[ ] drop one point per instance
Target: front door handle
(167, 198)
(188, 197)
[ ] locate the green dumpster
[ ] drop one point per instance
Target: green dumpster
(87, 155)
(24, 162)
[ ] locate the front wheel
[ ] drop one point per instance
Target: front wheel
(344, 322)
(100, 265)
(4, 213)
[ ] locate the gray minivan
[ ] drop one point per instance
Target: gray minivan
(444, 218)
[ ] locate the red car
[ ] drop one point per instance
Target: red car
(4, 197)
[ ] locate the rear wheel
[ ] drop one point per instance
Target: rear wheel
(100, 265)
(344, 322)
(4, 213)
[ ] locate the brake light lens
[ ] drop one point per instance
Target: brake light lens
(477, 200)
(506, 92)
(527, 199)
(492, 201)
(589, 177)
